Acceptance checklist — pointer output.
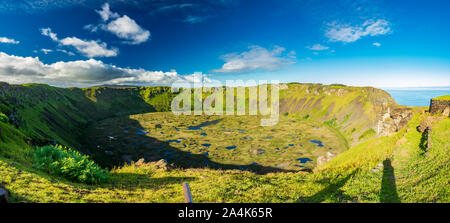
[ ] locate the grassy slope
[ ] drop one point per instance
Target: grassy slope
(48, 114)
(348, 178)
(351, 110)
(444, 97)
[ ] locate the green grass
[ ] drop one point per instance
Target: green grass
(367, 134)
(444, 97)
(4, 118)
(13, 143)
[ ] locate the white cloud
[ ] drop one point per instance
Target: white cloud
(194, 19)
(376, 44)
(8, 40)
(17, 70)
(122, 26)
(106, 13)
(347, 33)
(257, 58)
(89, 48)
(66, 52)
(318, 47)
(46, 51)
(126, 28)
(48, 32)
(174, 7)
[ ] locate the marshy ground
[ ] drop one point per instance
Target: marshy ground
(220, 142)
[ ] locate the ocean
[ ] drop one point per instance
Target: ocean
(416, 97)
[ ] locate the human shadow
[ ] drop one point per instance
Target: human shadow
(116, 141)
(423, 145)
(333, 189)
(133, 181)
(388, 193)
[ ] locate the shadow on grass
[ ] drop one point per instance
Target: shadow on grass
(131, 181)
(332, 191)
(424, 141)
(388, 193)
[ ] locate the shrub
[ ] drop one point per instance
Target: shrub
(367, 134)
(332, 123)
(68, 163)
(4, 118)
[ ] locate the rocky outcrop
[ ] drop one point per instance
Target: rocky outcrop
(325, 158)
(440, 107)
(393, 120)
(427, 123)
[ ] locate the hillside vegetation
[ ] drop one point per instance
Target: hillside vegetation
(391, 168)
(49, 114)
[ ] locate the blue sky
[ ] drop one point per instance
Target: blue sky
(83, 43)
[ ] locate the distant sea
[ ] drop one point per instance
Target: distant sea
(417, 97)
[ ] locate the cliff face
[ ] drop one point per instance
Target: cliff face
(440, 106)
(393, 120)
(358, 112)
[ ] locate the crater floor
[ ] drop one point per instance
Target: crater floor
(219, 142)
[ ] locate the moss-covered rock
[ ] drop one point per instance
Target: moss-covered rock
(440, 105)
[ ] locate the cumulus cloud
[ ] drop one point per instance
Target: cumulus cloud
(89, 48)
(347, 33)
(16, 69)
(8, 40)
(257, 58)
(318, 47)
(377, 44)
(122, 26)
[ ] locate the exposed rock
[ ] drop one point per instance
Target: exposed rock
(283, 86)
(163, 165)
(283, 165)
(258, 151)
(393, 121)
(440, 107)
(140, 162)
(378, 168)
(446, 112)
(426, 123)
(341, 92)
(325, 158)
